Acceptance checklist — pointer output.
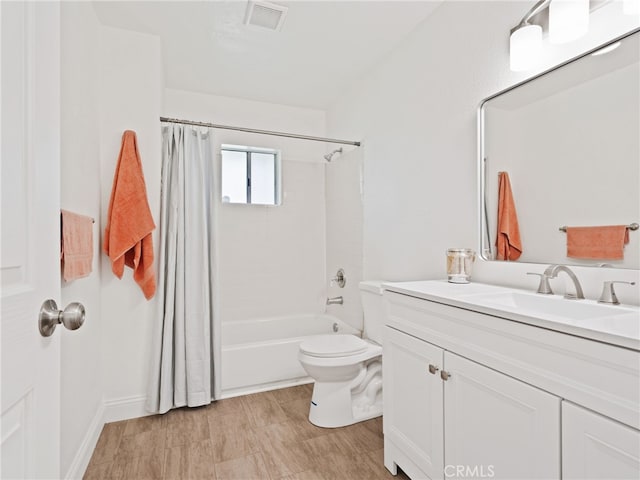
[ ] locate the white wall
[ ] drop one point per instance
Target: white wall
(344, 231)
(81, 362)
(130, 99)
(416, 114)
(111, 82)
(270, 259)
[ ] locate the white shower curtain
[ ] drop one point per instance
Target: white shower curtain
(182, 351)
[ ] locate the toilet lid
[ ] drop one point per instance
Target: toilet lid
(333, 345)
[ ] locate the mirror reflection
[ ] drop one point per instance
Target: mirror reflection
(567, 144)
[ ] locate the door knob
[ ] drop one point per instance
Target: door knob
(72, 317)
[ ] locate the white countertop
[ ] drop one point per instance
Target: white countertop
(614, 324)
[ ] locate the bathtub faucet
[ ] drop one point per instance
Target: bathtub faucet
(335, 301)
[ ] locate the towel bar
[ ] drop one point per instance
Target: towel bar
(633, 226)
(93, 220)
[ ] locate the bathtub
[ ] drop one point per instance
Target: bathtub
(262, 354)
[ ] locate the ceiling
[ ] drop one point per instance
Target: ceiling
(321, 49)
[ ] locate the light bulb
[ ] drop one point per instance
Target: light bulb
(568, 20)
(525, 45)
(631, 7)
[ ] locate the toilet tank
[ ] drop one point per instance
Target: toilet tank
(373, 309)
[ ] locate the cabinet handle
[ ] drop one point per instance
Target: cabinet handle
(445, 375)
(433, 369)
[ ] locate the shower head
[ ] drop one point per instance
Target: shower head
(329, 156)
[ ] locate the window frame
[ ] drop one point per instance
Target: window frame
(277, 173)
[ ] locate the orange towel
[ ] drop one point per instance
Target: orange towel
(508, 243)
(77, 245)
(605, 243)
(127, 236)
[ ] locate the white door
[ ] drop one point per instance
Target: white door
(496, 426)
(29, 236)
(596, 447)
(412, 404)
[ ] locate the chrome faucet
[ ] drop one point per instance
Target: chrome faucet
(335, 301)
(608, 294)
(552, 272)
(543, 286)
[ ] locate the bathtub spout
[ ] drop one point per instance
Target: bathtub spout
(335, 301)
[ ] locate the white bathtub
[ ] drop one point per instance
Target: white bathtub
(263, 353)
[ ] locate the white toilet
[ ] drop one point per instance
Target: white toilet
(347, 369)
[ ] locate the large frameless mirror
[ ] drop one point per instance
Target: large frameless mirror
(569, 141)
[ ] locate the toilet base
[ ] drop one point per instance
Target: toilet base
(338, 404)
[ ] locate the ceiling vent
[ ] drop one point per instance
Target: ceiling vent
(265, 15)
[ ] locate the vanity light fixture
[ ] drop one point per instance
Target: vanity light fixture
(567, 20)
(525, 44)
(631, 7)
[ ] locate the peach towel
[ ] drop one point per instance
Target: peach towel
(605, 242)
(77, 245)
(508, 242)
(127, 236)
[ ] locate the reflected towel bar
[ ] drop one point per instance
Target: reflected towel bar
(633, 226)
(93, 220)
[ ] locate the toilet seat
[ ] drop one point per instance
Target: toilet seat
(371, 350)
(332, 346)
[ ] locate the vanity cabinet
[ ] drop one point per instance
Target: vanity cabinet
(447, 413)
(472, 395)
(595, 447)
(413, 419)
(497, 426)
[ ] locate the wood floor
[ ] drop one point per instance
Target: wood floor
(261, 436)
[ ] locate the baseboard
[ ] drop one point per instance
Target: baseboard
(118, 409)
(109, 411)
(265, 387)
(88, 445)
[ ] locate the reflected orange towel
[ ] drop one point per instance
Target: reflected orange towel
(606, 243)
(508, 243)
(127, 236)
(77, 245)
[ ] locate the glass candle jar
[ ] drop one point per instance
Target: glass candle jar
(459, 263)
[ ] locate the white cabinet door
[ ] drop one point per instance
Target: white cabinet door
(498, 427)
(30, 234)
(412, 405)
(596, 447)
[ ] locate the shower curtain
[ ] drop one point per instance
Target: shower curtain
(182, 351)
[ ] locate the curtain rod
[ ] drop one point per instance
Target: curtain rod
(263, 132)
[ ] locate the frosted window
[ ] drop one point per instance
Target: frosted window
(263, 178)
(250, 175)
(234, 177)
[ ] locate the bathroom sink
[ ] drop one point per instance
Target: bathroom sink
(549, 305)
(615, 324)
(611, 323)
